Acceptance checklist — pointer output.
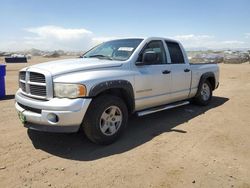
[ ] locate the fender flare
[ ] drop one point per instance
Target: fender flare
(125, 85)
(203, 78)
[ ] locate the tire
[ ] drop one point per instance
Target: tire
(106, 119)
(204, 94)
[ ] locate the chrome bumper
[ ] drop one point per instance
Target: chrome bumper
(70, 113)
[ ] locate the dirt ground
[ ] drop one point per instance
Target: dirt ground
(188, 146)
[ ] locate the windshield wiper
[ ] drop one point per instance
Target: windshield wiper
(101, 56)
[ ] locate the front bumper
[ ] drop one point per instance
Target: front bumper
(69, 112)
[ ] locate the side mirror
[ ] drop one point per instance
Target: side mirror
(149, 57)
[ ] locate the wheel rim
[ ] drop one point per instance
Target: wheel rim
(111, 120)
(205, 92)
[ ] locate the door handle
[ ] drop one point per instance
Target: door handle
(166, 72)
(186, 70)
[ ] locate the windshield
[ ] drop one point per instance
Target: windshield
(114, 50)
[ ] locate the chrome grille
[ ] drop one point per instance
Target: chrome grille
(22, 86)
(37, 77)
(38, 90)
(33, 84)
(22, 76)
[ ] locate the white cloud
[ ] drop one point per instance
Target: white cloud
(103, 39)
(194, 41)
(54, 37)
(233, 42)
(247, 35)
(193, 37)
(50, 37)
(208, 41)
(59, 33)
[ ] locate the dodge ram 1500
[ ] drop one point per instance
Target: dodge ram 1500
(98, 91)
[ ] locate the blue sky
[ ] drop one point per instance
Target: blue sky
(77, 25)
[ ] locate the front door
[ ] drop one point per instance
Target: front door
(153, 81)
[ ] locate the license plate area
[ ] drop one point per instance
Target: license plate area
(22, 117)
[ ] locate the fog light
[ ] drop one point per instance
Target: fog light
(52, 118)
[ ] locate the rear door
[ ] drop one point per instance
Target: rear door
(180, 71)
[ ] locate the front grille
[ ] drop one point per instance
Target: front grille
(22, 75)
(38, 90)
(37, 77)
(22, 86)
(33, 84)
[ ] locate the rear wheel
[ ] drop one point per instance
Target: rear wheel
(204, 94)
(105, 119)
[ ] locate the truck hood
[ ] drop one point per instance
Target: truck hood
(75, 65)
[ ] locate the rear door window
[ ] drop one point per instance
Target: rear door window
(175, 53)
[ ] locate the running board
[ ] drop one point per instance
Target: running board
(158, 109)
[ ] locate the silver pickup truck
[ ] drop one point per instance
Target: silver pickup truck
(98, 91)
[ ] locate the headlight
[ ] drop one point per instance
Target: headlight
(62, 90)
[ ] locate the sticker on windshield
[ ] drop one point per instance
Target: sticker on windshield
(128, 49)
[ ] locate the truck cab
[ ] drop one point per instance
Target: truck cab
(164, 80)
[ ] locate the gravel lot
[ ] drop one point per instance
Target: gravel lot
(188, 146)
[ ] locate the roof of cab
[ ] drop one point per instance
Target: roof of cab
(148, 38)
(160, 38)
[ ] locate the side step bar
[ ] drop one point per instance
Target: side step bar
(161, 108)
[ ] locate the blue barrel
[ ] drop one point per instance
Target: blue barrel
(2, 80)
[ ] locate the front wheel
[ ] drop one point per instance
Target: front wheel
(105, 119)
(204, 94)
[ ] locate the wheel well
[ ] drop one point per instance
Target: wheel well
(123, 94)
(211, 81)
